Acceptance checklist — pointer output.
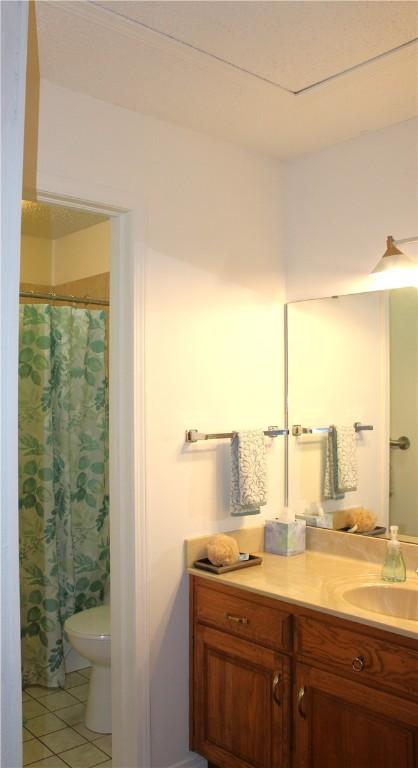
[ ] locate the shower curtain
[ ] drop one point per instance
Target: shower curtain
(63, 486)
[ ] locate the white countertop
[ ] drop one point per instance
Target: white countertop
(317, 580)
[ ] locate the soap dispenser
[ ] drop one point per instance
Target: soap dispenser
(394, 564)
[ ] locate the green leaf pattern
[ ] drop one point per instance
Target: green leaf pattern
(63, 479)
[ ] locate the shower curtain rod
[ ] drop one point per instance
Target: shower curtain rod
(62, 297)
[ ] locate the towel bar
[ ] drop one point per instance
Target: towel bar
(403, 443)
(193, 435)
(298, 430)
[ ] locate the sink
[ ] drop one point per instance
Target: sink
(390, 599)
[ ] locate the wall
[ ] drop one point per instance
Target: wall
(341, 203)
(213, 289)
(36, 260)
(81, 254)
(65, 259)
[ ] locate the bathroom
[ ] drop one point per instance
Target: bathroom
(63, 480)
(213, 234)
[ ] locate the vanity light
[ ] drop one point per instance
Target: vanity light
(393, 258)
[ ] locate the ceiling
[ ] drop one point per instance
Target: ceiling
(248, 72)
(54, 221)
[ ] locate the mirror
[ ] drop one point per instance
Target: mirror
(351, 359)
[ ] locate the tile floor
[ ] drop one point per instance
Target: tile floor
(54, 734)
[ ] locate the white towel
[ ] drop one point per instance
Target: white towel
(248, 472)
(341, 474)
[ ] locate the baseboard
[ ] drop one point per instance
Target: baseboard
(193, 761)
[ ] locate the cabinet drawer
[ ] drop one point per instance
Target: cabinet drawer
(355, 654)
(257, 620)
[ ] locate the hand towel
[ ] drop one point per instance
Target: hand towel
(248, 472)
(341, 462)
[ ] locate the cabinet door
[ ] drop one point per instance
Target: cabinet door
(349, 725)
(241, 702)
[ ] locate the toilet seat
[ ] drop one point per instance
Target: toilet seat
(94, 623)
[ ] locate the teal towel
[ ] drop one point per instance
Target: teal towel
(341, 462)
(248, 472)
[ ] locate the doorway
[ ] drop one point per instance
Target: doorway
(64, 483)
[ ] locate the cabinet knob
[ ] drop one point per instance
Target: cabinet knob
(301, 698)
(358, 664)
(277, 679)
(236, 619)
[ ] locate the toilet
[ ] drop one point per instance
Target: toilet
(89, 634)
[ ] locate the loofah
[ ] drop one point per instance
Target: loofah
(360, 519)
(222, 550)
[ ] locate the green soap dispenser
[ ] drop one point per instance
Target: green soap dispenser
(394, 564)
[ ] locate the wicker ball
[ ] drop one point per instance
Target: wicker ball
(222, 550)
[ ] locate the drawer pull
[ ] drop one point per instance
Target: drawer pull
(277, 679)
(237, 619)
(358, 664)
(301, 697)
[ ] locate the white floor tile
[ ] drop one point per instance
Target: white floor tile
(50, 762)
(33, 709)
(81, 692)
(73, 678)
(34, 750)
(61, 740)
(85, 672)
(85, 756)
(43, 724)
(58, 700)
(86, 732)
(71, 715)
(104, 743)
(26, 697)
(39, 691)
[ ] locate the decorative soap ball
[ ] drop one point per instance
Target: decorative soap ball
(223, 550)
(360, 520)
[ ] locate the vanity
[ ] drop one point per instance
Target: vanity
(311, 661)
(285, 672)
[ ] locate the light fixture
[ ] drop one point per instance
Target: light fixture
(393, 258)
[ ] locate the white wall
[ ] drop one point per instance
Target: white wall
(331, 343)
(36, 260)
(213, 334)
(81, 254)
(71, 257)
(341, 203)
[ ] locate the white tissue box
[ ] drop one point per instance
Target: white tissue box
(333, 520)
(283, 538)
(310, 520)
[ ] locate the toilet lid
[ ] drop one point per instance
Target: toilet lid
(93, 622)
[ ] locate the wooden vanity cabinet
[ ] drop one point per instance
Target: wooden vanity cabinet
(240, 678)
(241, 702)
(273, 685)
(339, 722)
(355, 695)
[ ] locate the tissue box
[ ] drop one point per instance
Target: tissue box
(282, 538)
(334, 520)
(311, 520)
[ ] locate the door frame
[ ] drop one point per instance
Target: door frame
(131, 741)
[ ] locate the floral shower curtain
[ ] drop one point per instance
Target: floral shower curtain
(63, 488)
